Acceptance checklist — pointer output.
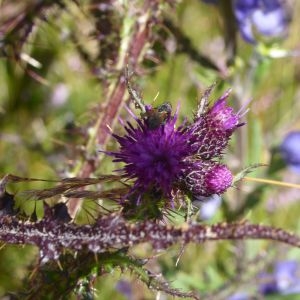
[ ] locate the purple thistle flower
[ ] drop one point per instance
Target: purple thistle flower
(290, 150)
(266, 17)
(162, 159)
(153, 157)
(209, 134)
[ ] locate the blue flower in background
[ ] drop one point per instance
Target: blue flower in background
(259, 17)
(239, 296)
(290, 150)
(208, 205)
(266, 17)
(124, 287)
(284, 279)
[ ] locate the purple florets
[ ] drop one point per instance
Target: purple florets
(153, 157)
(209, 134)
(223, 116)
(219, 179)
(163, 159)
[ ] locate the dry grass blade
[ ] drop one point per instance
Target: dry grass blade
(67, 187)
(112, 194)
(72, 187)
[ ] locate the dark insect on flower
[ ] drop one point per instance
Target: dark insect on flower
(157, 116)
(154, 116)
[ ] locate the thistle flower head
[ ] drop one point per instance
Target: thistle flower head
(210, 133)
(153, 157)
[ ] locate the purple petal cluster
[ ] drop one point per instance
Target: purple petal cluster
(153, 156)
(163, 159)
(210, 133)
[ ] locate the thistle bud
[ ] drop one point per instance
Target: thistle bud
(210, 133)
(204, 178)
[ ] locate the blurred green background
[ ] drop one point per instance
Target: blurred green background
(45, 121)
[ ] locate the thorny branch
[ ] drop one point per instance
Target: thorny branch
(107, 237)
(111, 232)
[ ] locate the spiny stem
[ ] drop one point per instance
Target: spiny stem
(273, 182)
(113, 231)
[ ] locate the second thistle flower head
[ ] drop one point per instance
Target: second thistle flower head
(211, 131)
(223, 116)
(162, 159)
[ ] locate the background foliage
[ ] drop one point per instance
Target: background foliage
(55, 82)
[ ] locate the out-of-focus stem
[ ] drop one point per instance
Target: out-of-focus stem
(230, 30)
(133, 44)
(184, 45)
(273, 182)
